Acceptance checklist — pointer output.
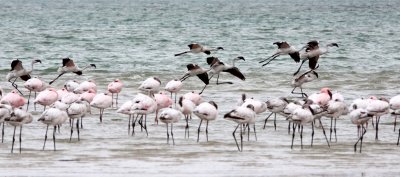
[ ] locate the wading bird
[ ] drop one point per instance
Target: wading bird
(196, 70)
(284, 49)
(17, 70)
(217, 67)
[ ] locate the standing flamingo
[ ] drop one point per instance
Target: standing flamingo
(241, 115)
(143, 105)
(275, 106)
(170, 116)
(126, 109)
(194, 97)
(302, 79)
(36, 85)
(197, 48)
(217, 67)
(17, 70)
(186, 106)
(378, 108)
(77, 110)
(336, 108)
(259, 107)
(101, 101)
(313, 51)
(114, 88)
(150, 85)
(68, 66)
(163, 101)
(206, 111)
(71, 85)
(322, 98)
(85, 86)
(46, 97)
(14, 99)
(5, 112)
(174, 86)
(359, 117)
(395, 107)
(196, 70)
(53, 117)
(18, 118)
(284, 49)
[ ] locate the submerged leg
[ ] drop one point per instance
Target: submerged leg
(266, 119)
(198, 130)
(45, 137)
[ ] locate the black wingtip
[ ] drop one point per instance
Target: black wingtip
(220, 48)
(207, 52)
(78, 73)
(93, 65)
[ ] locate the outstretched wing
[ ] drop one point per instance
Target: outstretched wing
(68, 62)
(312, 62)
(204, 77)
(212, 60)
(16, 65)
(235, 71)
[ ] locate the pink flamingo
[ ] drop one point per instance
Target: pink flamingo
(15, 99)
(336, 108)
(101, 101)
(378, 108)
(143, 105)
(85, 86)
(275, 106)
(259, 107)
(170, 116)
(206, 111)
(36, 85)
(359, 117)
(150, 85)
(61, 93)
(163, 101)
(186, 106)
(71, 85)
(395, 107)
(47, 97)
(53, 117)
(88, 95)
(126, 109)
(322, 98)
(194, 97)
(69, 98)
(174, 86)
(114, 88)
(5, 112)
(18, 118)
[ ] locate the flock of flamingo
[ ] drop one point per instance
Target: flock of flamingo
(75, 100)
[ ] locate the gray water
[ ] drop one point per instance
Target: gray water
(133, 40)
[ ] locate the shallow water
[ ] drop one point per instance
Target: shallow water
(133, 40)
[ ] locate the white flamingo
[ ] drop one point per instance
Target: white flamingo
(206, 111)
(174, 86)
(274, 106)
(170, 116)
(18, 118)
(53, 117)
(101, 101)
(186, 106)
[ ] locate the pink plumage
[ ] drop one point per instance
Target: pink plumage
(322, 98)
(14, 99)
(88, 95)
(47, 97)
(115, 86)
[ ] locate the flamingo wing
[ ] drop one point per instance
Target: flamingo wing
(235, 71)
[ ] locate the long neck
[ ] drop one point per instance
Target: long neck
(86, 67)
(30, 71)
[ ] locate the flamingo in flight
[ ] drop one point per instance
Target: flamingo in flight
(284, 49)
(217, 67)
(17, 70)
(68, 66)
(197, 48)
(313, 51)
(196, 70)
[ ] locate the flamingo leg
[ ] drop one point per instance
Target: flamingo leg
(198, 130)
(234, 137)
(293, 134)
(301, 136)
(266, 119)
(312, 133)
(77, 127)
(273, 58)
(298, 70)
(72, 129)
(172, 134)
(167, 134)
(207, 130)
(13, 141)
(56, 78)
(54, 137)
(20, 138)
(29, 97)
(129, 124)
(323, 130)
(45, 137)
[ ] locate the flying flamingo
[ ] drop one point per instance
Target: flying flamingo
(308, 76)
(174, 86)
(101, 101)
(85, 86)
(197, 48)
(217, 67)
(206, 111)
(71, 85)
(170, 116)
(114, 88)
(53, 117)
(284, 49)
(196, 70)
(17, 70)
(68, 66)
(46, 97)
(126, 109)
(186, 106)
(36, 85)
(194, 97)
(5, 112)
(336, 108)
(143, 105)
(18, 118)
(14, 99)
(359, 117)
(150, 85)
(241, 115)
(312, 54)
(275, 106)
(395, 107)
(163, 101)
